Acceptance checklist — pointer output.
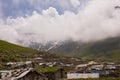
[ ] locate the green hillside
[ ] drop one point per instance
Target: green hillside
(108, 49)
(12, 52)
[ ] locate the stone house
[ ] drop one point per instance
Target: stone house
(57, 74)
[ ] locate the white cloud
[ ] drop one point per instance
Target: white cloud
(39, 5)
(98, 20)
(75, 3)
(51, 12)
(7, 33)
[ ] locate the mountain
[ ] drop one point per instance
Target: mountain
(107, 49)
(44, 47)
(12, 52)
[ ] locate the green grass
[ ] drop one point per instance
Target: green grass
(3, 68)
(49, 69)
(104, 49)
(6, 47)
(11, 52)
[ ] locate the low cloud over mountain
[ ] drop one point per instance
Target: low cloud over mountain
(98, 19)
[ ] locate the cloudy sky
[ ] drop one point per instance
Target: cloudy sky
(43, 21)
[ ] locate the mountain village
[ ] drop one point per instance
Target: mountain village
(41, 67)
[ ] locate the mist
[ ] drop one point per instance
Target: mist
(99, 19)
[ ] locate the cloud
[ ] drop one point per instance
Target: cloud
(19, 7)
(52, 12)
(39, 5)
(98, 20)
(7, 33)
(75, 3)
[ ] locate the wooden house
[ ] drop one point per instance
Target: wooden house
(29, 74)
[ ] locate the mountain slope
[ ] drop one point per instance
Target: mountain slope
(108, 49)
(12, 52)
